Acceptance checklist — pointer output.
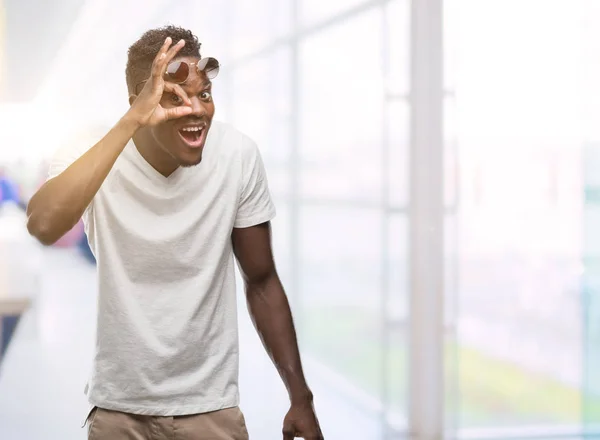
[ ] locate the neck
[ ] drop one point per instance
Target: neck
(159, 159)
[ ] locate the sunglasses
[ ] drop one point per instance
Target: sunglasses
(179, 71)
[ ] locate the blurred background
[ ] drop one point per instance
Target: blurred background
(436, 169)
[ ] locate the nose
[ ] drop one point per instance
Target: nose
(198, 107)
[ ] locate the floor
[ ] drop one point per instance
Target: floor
(44, 372)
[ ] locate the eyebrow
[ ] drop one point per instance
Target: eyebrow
(205, 85)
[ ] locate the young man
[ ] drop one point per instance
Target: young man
(168, 197)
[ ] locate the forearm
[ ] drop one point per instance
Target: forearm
(59, 204)
(272, 317)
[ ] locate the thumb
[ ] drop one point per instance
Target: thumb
(289, 433)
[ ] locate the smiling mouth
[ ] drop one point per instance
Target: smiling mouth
(193, 137)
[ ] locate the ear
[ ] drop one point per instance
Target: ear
(131, 99)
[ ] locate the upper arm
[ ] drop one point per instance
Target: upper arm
(251, 236)
(252, 249)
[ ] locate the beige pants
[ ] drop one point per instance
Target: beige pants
(226, 424)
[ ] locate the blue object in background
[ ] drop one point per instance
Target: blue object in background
(9, 190)
(9, 324)
(84, 247)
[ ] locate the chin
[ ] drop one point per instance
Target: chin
(187, 162)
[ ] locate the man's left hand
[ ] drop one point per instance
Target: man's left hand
(301, 422)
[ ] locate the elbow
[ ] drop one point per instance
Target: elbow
(261, 284)
(42, 229)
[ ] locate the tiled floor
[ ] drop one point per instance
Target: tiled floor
(43, 375)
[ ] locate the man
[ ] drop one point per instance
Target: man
(168, 197)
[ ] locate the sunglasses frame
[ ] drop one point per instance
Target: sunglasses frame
(200, 67)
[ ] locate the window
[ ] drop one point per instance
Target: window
(256, 24)
(260, 107)
(340, 288)
(398, 153)
(519, 346)
(341, 111)
(314, 11)
(397, 21)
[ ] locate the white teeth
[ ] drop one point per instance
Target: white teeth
(192, 129)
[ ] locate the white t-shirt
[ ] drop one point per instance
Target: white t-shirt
(167, 336)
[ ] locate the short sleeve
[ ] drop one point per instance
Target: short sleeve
(255, 205)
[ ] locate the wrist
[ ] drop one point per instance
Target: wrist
(130, 122)
(301, 397)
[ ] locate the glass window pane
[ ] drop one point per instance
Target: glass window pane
(451, 33)
(207, 20)
(312, 11)
(590, 279)
(397, 18)
(451, 170)
(590, 287)
(396, 373)
(520, 84)
(341, 111)
(258, 23)
(260, 107)
(396, 267)
(591, 69)
(349, 324)
(396, 315)
(341, 284)
(519, 346)
(398, 154)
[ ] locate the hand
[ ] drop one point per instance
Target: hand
(301, 422)
(146, 109)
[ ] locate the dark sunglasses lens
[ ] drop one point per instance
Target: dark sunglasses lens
(178, 71)
(210, 66)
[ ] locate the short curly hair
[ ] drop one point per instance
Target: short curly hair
(141, 54)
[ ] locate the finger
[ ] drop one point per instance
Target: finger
(158, 60)
(289, 434)
(172, 52)
(169, 56)
(178, 112)
(178, 90)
